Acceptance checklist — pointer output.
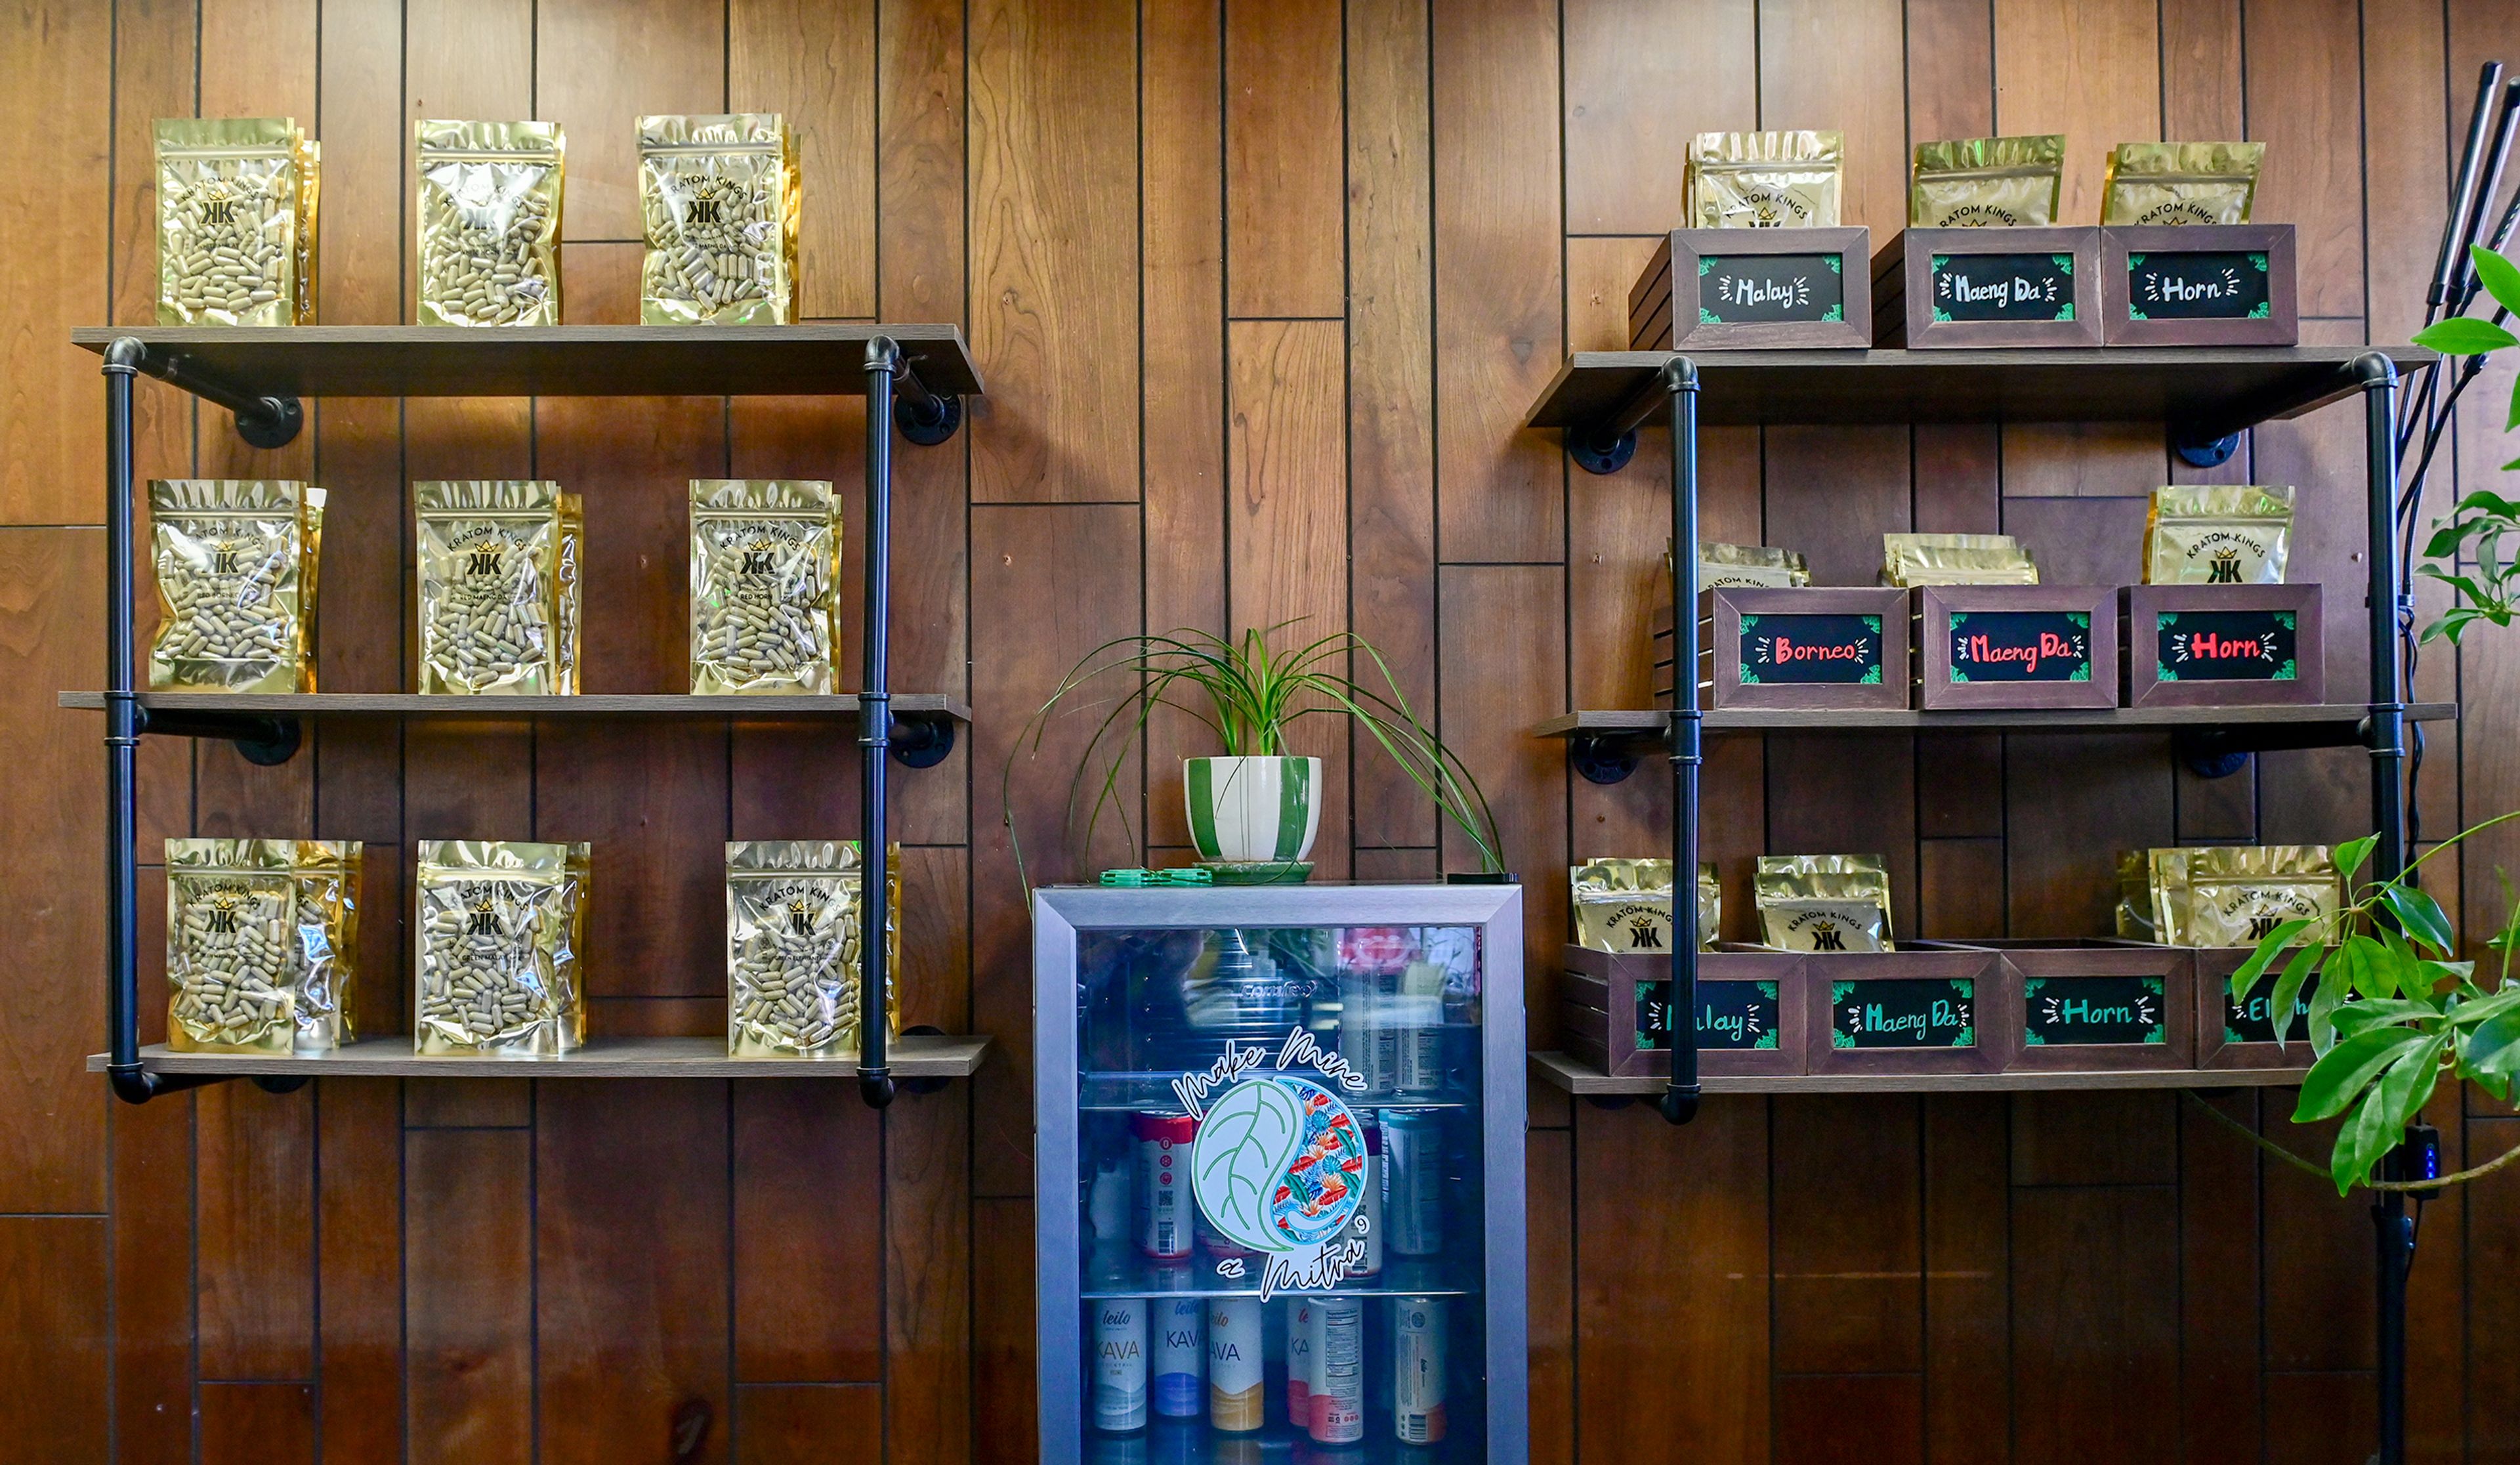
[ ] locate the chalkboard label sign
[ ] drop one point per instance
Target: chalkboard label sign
(1730, 1015)
(2094, 1010)
(2003, 287)
(1903, 1013)
(1807, 649)
(2021, 646)
(2227, 645)
(1742, 288)
(2250, 1019)
(2206, 285)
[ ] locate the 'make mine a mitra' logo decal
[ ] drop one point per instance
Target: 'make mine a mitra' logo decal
(1279, 1165)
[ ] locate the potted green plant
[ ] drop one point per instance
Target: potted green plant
(1254, 807)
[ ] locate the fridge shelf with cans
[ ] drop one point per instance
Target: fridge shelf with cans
(1127, 1273)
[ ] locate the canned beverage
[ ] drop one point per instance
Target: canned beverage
(1163, 1170)
(1413, 1181)
(1299, 1314)
(1368, 1225)
(1235, 1395)
(1214, 1242)
(1119, 1365)
(1366, 1038)
(1339, 1371)
(1418, 1369)
(1417, 1025)
(1177, 1355)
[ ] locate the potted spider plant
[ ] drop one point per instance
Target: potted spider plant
(1254, 808)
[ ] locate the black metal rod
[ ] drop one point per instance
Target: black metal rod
(883, 368)
(2465, 282)
(2462, 200)
(1679, 381)
(254, 411)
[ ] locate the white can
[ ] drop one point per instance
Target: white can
(1419, 1025)
(1119, 1365)
(1235, 1393)
(1300, 1313)
(1178, 1353)
(1412, 1182)
(1339, 1371)
(1418, 1369)
(1163, 1181)
(1366, 1039)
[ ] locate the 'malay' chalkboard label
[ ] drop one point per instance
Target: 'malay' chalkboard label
(2003, 286)
(1740, 289)
(2249, 1020)
(1805, 649)
(1924, 1012)
(2021, 646)
(2226, 645)
(2208, 285)
(2094, 1010)
(1730, 1015)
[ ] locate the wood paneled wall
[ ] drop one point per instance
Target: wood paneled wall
(1261, 289)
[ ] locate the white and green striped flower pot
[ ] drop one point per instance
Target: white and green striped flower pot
(1250, 810)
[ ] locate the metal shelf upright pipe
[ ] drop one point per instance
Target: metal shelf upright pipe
(1679, 379)
(884, 365)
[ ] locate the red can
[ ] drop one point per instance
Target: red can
(1163, 1177)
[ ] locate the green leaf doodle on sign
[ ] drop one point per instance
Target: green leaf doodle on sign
(1243, 1148)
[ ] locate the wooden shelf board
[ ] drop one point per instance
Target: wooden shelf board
(1644, 723)
(2221, 388)
(801, 360)
(493, 709)
(1575, 1076)
(911, 1056)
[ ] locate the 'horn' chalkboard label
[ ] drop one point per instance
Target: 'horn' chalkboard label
(2225, 646)
(1743, 289)
(2094, 1010)
(1730, 1015)
(2205, 285)
(2021, 646)
(2003, 286)
(1843, 650)
(1903, 1013)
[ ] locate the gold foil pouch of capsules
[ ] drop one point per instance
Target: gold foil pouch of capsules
(2217, 534)
(1824, 902)
(2238, 894)
(1980, 181)
(489, 223)
(498, 586)
(261, 945)
(236, 222)
(792, 933)
(1624, 905)
(235, 561)
(719, 196)
(765, 568)
(1725, 566)
(2181, 183)
(501, 932)
(1765, 180)
(2136, 916)
(1955, 560)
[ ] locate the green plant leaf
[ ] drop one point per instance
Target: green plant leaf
(2350, 857)
(2492, 1048)
(2420, 915)
(2287, 992)
(2339, 1079)
(2381, 1123)
(2267, 950)
(2500, 277)
(2464, 335)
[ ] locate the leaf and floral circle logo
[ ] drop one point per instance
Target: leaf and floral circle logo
(1279, 1165)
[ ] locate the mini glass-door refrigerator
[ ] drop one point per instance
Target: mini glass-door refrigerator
(1280, 1155)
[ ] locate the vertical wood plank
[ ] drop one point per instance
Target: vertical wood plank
(679, 65)
(2088, 68)
(1843, 65)
(1638, 86)
(2310, 52)
(2217, 1282)
(794, 1424)
(806, 1306)
(54, 1336)
(816, 65)
(929, 1235)
(1505, 646)
(358, 1266)
(1845, 1233)
(257, 1424)
(2201, 73)
(920, 167)
(1549, 1165)
(2111, 793)
(1283, 182)
(1005, 1404)
(2494, 1294)
(468, 1294)
(2096, 1322)
(256, 1207)
(1968, 1303)
(1951, 71)
(152, 1260)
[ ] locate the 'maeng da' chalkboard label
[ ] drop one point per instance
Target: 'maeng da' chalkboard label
(1736, 1016)
(2094, 1010)
(1903, 1013)
(2206, 285)
(1742, 288)
(2003, 286)
(2223, 646)
(1842, 650)
(2021, 646)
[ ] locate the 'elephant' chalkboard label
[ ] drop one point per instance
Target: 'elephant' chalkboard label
(2204, 285)
(1730, 1015)
(2250, 1019)
(2003, 286)
(1844, 650)
(1903, 1013)
(2094, 1010)
(1740, 289)
(2021, 646)
(2226, 645)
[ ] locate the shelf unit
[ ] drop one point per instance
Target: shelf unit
(912, 377)
(2205, 396)
(1565, 1072)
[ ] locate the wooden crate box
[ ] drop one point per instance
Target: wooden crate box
(1776, 288)
(1812, 647)
(1750, 1011)
(2198, 285)
(1913, 1012)
(2222, 645)
(2016, 646)
(2238, 1035)
(1937, 288)
(2095, 1006)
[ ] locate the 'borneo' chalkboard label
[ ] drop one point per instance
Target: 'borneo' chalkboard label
(1738, 289)
(2094, 1010)
(2250, 1019)
(1730, 1015)
(2021, 646)
(1807, 649)
(2003, 286)
(1903, 1013)
(2207, 284)
(2226, 645)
